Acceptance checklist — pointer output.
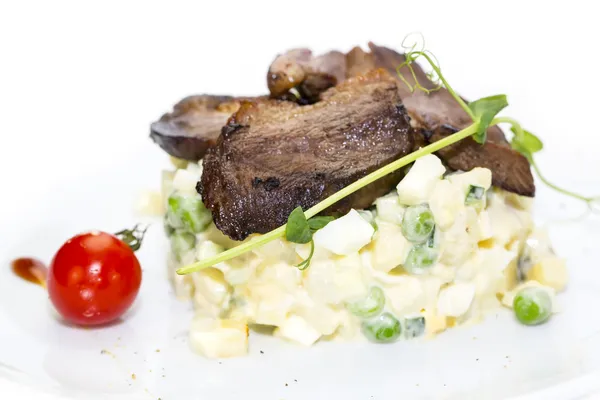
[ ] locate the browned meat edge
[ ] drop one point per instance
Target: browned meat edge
(274, 156)
(194, 125)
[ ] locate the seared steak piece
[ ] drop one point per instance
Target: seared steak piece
(437, 115)
(194, 125)
(310, 75)
(274, 156)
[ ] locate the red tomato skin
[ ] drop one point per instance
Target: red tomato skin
(93, 279)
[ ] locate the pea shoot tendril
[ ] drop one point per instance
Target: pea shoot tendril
(523, 141)
(483, 114)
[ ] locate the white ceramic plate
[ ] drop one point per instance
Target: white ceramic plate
(495, 359)
(84, 82)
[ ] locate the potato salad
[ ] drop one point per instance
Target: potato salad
(441, 250)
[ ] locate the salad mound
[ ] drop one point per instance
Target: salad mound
(441, 250)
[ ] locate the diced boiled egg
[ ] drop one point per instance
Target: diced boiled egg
(219, 338)
(454, 300)
(345, 235)
(297, 329)
(417, 185)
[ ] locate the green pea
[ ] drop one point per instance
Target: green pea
(187, 212)
(370, 306)
(181, 243)
(420, 258)
(532, 306)
(414, 326)
(417, 223)
(382, 329)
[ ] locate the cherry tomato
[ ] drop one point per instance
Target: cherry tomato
(94, 278)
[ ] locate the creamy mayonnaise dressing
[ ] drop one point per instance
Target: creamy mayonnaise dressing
(482, 248)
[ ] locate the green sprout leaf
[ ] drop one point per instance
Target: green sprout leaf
(484, 110)
(316, 223)
(306, 263)
(297, 229)
(300, 230)
(525, 142)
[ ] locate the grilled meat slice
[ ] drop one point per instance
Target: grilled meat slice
(437, 114)
(274, 156)
(194, 125)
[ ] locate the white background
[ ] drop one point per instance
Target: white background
(81, 81)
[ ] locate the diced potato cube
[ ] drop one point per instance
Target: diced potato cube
(296, 329)
(456, 299)
(434, 323)
(406, 295)
(219, 338)
(445, 202)
(211, 284)
(550, 271)
(185, 181)
(484, 225)
(390, 248)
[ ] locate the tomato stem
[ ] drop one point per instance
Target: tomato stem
(133, 237)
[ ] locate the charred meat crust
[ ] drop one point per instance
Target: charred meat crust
(194, 125)
(274, 156)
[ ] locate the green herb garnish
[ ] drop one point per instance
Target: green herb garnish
(483, 113)
(297, 229)
(485, 110)
(301, 230)
(528, 144)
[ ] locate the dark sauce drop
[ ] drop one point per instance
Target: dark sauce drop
(31, 270)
